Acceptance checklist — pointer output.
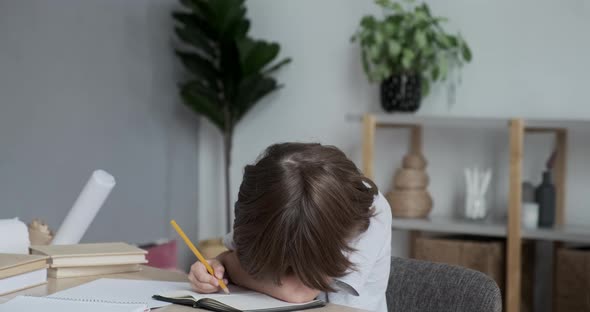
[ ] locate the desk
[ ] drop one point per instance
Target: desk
(147, 273)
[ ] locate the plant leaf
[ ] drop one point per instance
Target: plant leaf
(394, 49)
(466, 52)
(256, 54)
(250, 91)
(202, 105)
(420, 39)
(199, 67)
(425, 87)
(276, 66)
(407, 58)
(197, 40)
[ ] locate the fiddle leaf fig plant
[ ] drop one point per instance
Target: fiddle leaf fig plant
(409, 40)
(227, 71)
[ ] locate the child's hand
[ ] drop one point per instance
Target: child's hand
(202, 281)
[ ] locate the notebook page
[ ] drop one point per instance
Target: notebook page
(239, 298)
(122, 291)
(25, 303)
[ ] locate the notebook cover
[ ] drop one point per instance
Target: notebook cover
(92, 270)
(15, 264)
(85, 250)
(214, 305)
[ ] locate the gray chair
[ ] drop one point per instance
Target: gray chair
(434, 287)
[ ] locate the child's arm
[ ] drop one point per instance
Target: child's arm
(291, 289)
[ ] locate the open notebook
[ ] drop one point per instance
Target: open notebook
(25, 303)
(239, 299)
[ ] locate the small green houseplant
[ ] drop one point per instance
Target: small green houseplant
(406, 51)
(227, 71)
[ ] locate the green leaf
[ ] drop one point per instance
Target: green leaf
(466, 52)
(256, 54)
(276, 66)
(394, 49)
(368, 22)
(435, 73)
(194, 22)
(425, 87)
(202, 105)
(196, 39)
(420, 39)
(378, 36)
(365, 61)
(453, 41)
(250, 91)
(407, 59)
(199, 66)
(226, 16)
(199, 7)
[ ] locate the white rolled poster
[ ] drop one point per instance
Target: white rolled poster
(85, 208)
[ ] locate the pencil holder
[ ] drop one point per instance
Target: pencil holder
(477, 182)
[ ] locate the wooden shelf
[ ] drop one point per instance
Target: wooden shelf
(447, 225)
(465, 122)
(515, 129)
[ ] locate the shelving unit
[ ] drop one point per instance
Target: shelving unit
(515, 129)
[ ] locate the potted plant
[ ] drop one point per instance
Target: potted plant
(406, 51)
(227, 71)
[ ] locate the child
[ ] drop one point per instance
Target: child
(307, 224)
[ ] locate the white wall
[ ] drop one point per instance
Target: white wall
(530, 59)
(86, 85)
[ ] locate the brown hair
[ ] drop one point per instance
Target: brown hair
(298, 208)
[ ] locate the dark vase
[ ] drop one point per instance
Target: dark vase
(545, 197)
(401, 93)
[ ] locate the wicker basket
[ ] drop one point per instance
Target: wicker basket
(410, 179)
(572, 280)
(409, 203)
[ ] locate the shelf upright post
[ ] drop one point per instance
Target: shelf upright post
(369, 126)
(514, 243)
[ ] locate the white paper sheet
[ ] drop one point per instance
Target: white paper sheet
(122, 291)
(25, 303)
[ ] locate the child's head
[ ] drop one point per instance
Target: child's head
(298, 208)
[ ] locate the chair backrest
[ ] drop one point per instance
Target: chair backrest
(435, 287)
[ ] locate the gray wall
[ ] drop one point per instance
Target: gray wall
(87, 85)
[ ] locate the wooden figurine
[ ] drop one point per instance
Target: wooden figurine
(409, 197)
(39, 233)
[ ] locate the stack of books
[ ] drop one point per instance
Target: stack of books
(91, 259)
(18, 272)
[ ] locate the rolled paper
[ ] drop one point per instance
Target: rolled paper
(85, 208)
(14, 236)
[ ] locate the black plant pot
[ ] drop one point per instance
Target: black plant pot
(401, 93)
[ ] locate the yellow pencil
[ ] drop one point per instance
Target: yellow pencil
(198, 254)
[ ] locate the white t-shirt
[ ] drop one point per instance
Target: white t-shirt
(364, 288)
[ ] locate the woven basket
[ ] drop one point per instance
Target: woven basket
(410, 179)
(409, 203)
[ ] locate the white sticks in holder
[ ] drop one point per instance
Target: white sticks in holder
(477, 182)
